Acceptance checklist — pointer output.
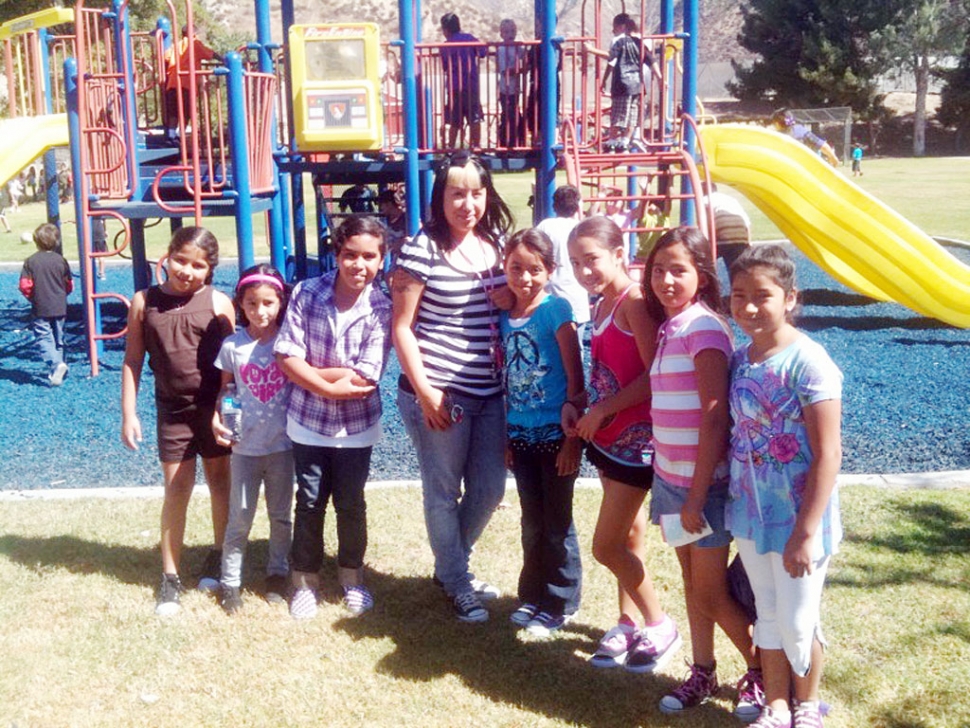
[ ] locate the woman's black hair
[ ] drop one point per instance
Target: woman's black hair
(699, 249)
(536, 242)
(495, 223)
(261, 269)
(200, 238)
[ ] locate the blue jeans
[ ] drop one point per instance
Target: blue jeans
(49, 335)
(470, 452)
(552, 572)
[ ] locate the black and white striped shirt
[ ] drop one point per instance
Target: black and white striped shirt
(457, 325)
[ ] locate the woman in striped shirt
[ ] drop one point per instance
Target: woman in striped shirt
(445, 329)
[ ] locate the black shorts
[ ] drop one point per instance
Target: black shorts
(462, 107)
(636, 476)
(184, 435)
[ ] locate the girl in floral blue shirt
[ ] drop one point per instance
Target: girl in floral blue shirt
(786, 451)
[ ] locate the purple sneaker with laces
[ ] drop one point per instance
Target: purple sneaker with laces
(751, 696)
(808, 714)
(700, 685)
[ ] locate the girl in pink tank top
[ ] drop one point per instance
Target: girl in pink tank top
(616, 363)
(617, 426)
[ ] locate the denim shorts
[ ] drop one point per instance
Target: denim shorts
(668, 499)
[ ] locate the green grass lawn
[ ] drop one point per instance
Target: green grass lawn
(81, 646)
(931, 192)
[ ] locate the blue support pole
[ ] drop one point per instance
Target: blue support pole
(50, 158)
(279, 249)
(141, 270)
(412, 187)
(238, 146)
(545, 11)
(296, 190)
(95, 347)
(122, 35)
(691, 29)
(278, 231)
(666, 16)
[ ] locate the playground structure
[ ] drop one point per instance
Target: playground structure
(236, 143)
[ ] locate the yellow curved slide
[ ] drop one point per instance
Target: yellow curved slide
(844, 230)
(25, 138)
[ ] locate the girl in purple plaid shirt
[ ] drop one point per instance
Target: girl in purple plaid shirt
(333, 347)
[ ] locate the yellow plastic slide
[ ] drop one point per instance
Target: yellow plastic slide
(844, 230)
(25, 138)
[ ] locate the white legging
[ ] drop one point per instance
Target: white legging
(789, 610)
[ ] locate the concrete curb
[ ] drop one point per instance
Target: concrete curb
(944, 480)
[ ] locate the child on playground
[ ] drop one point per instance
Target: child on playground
(510, 64)
(628, 59)
(261, 451)
(543, 377)
(856, 160)
(617, 427)
(181, 324)
(46, 282)
(689, 386)
(786, 451)
(333, 346)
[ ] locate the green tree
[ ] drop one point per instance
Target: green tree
(927, 31)
(954, 108)
(815, 52)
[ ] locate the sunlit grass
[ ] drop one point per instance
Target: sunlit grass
(81, 646)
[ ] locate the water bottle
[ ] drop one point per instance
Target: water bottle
(231, 410)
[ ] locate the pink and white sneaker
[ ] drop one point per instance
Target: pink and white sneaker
(654, 646)
(615, 645)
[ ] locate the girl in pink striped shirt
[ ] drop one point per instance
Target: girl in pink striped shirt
(689, 387)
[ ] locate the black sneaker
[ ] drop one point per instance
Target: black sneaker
(167, 598)
(277, 587)
(230, 599)
(211, 571)
(469, 609)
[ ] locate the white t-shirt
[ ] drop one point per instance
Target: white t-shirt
(563, 281)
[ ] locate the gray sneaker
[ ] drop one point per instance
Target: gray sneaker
(468, 608)
(230, 599)
(167, 597)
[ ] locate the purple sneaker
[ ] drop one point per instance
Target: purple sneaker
(701, 684)
(807, 715)
(751, 696)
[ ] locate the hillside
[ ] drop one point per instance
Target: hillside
(720, 19)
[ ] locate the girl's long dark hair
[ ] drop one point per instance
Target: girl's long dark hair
(495, 223)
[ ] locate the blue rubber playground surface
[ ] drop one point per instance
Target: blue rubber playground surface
(906, 403)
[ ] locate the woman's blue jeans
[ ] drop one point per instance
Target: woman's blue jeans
(462, 478)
